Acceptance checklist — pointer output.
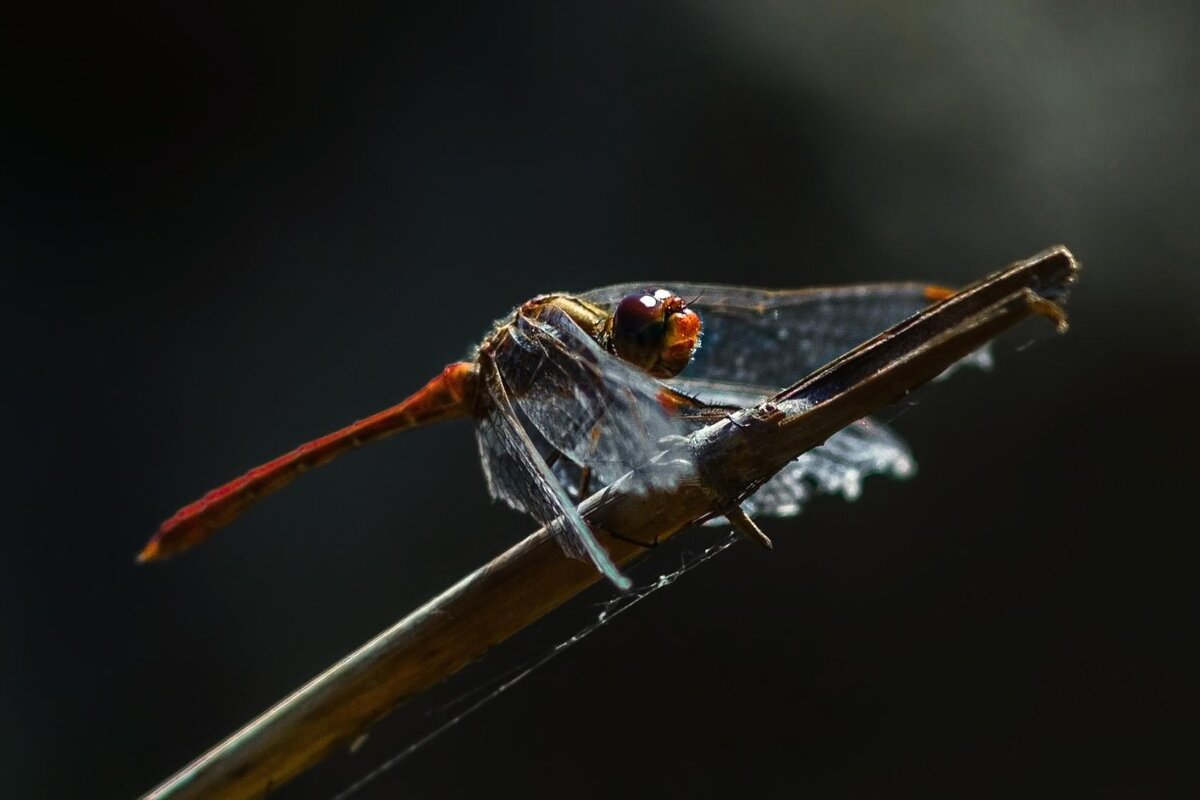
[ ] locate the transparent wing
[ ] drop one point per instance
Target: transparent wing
(773, 338)
(592, 407)
(517, 474)
(836, 467)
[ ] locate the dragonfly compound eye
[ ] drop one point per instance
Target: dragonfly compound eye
(655, 330)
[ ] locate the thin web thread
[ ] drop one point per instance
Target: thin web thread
(609, 610)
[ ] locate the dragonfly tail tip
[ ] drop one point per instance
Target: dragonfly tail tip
(148, 553)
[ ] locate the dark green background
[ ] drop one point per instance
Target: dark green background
(226, 231)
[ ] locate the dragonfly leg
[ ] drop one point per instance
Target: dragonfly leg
(1047, 308)
(747, 528)
(585, 479)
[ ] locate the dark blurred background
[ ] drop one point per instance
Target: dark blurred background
(225, 231)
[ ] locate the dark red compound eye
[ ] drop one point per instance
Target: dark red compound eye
(637, 312)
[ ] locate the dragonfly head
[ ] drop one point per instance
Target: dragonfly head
(655, 330)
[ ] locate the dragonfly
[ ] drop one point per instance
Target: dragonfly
(570, 392)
